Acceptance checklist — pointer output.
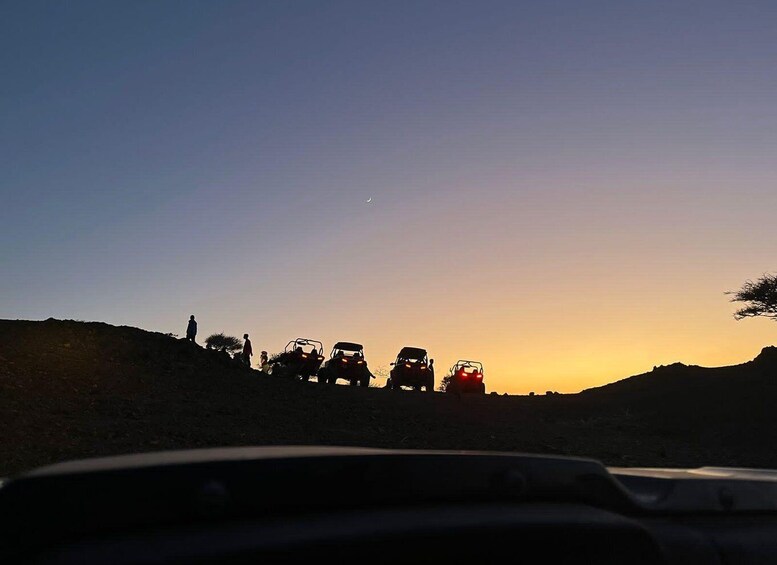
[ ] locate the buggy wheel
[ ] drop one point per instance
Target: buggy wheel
(365, 381)
(354, 382)
(482, 388)
(430, 385)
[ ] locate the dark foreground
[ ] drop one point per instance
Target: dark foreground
(71, 390)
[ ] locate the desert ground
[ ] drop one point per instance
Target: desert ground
(74, 389)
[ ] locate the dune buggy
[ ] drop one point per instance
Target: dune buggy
(297, 361)
(466, 376)
(346, 361)
(411, 368)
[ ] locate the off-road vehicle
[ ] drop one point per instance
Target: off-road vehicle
(466, 376)
(297, 361)
(411, 368)
(346, 361)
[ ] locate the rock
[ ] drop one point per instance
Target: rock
(768, 356)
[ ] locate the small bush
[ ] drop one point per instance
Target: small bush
(221, 342)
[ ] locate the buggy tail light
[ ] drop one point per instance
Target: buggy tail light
(360, 362)
(479, 375)
(407, 365)
(320, 358)
(304, 355)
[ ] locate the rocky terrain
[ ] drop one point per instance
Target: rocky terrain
(73, 389)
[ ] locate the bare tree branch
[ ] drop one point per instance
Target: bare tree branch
(759, 296)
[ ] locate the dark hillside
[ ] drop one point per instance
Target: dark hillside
(679, 378)
(739, 393)
(74, 389)
(720, 408)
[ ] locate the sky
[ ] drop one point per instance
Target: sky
(561, 190)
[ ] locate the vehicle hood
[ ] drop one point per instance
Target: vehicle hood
(698, 473)
(489, 475)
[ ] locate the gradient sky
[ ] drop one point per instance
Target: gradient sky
(563, 190)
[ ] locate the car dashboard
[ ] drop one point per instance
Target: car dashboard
(291, 504)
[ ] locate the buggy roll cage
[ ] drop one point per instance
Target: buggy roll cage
(413, 353)
(301, 342)
(347, 346)
(464, 363)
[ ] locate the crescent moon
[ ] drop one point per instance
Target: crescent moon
(369, 200)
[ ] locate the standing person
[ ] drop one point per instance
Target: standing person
(191, 329)
(263, 361)
(247, 351)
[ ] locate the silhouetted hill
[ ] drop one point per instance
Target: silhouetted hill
(73, 389)
(692, 384)
(64, 356)
(713, 409)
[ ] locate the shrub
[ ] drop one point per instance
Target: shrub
(221, 342)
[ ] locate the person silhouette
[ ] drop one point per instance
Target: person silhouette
(247, 350)
(191, 329)
(263, 360)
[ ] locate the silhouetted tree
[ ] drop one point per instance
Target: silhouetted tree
(760, 297)
(221, 342)
(444, 383)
